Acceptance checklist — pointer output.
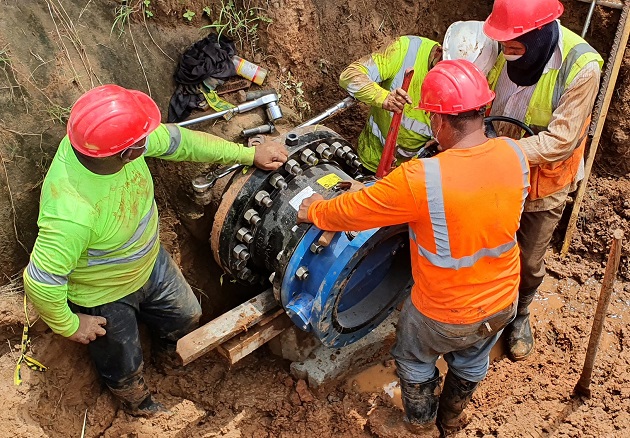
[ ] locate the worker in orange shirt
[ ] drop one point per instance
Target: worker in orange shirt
(463, 207)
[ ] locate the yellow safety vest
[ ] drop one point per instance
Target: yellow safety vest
(415, 128)
(547, 179)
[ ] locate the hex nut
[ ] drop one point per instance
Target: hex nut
(244, 235)
(336, 148)
(263, 199)
(272, 277)
(293, 167)
(241, 252)
(308, 156)
(324, 151)
(279, 255)
(316, 248)
(278, 181)
(240, 264)
(301, 273)
(252, 217)
(244, 274)
(291, 139)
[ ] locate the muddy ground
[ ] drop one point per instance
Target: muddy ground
(53, 50)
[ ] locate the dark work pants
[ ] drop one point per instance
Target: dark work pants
(166, 304)
(534, 236)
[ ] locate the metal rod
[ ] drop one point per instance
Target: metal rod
(608, 4)
(204, 118)
(587, 23)
(343, 105)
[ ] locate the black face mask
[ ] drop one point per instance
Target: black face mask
(539, 45)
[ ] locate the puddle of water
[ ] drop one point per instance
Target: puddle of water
(381, 379)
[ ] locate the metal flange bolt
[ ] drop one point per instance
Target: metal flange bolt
(252, 217)
(239, 264)
(263, 199)
(293, 168)
(308, 156)
(272, 277)
(244, 274)
(291, 139)
(279, 255)
(301, 273)
(316, 248)
(324, 151)
(339, 150)
(353, 160)
(240, 252)
(244, 235)
(278, 181)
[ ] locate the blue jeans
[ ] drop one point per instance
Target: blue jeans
(466, 347)
(166, 304)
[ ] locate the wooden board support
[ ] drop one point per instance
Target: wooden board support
(225, 327)
(246, 343)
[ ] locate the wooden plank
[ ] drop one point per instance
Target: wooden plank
(226, 326)
(240, 346)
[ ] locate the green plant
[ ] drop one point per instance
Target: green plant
(58, 113)
(294, 87)
(239, 23)
(123, 12)
(146, 7)
(188, 15)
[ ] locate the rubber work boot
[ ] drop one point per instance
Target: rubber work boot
(136, 399)
(518, 333)
(456, 394)
(420, 401)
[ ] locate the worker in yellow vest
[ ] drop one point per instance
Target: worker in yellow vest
(547, 77)
(377, 79)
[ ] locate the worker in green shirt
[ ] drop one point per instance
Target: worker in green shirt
(97, 267)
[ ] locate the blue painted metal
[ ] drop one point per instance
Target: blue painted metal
(352, 285)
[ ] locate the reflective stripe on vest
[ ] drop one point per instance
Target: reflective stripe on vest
(406, 122)
(146, 248)
(142, 226)
(44, 277)
(443, 257)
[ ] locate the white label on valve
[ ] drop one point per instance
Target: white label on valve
(297, 199)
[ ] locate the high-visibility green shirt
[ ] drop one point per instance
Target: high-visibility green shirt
(98, 234)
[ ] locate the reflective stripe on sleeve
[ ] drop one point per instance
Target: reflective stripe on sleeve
(175, 139)
(44, 277)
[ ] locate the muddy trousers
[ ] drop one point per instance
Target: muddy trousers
(466, 347)
(166, 304)
(534, 236)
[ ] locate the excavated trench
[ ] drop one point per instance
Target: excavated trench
(305, 47)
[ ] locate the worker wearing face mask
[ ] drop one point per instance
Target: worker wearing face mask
(547, 77)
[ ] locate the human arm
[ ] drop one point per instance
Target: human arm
(563, 134)
(57, 249)
(174, 143)
(389, 201)
(362, 78)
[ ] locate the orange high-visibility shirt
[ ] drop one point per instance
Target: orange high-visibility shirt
(463, 207)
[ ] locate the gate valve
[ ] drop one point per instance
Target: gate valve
(308, 157)
(252, 217)
(293, 168)
(263, 199)
(244, 235)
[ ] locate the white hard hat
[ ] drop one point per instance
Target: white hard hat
(466, 40)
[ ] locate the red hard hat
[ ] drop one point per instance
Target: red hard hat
(454, 87)
(109, 118)
(510, 19)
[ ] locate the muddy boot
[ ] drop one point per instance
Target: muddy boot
(456, 394)
(420, 401)
(518, 334)
(136, 399)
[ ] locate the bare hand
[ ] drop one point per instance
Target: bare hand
(270, 155)
(302, 217)
(90, 327)
(396, 100)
